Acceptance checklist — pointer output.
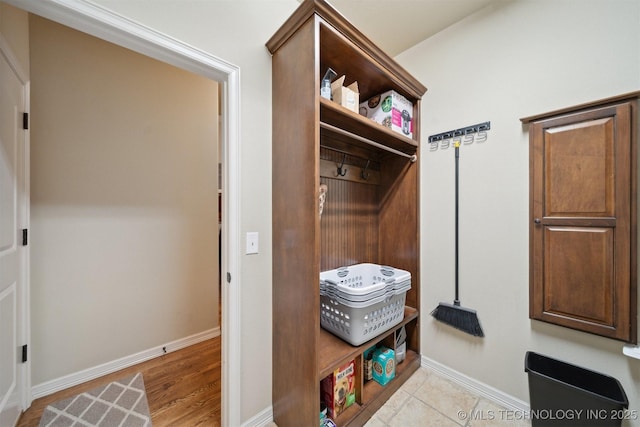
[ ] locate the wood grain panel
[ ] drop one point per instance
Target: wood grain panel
(580, 164)
(583, 232)
(579, 274)
(295, 183)
(399, 220)
(349, 224)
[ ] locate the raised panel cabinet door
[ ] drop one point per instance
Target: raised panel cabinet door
(581, 221)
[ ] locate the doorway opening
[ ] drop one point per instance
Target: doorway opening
(98, 22)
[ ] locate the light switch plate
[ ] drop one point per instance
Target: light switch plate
(252, 243)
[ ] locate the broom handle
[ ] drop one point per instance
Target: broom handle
(457, 146)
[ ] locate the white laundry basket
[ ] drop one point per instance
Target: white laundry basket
(359, 302)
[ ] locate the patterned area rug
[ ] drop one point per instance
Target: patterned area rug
(120, 403)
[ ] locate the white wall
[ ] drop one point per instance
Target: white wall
(512, 60)
(124, 238)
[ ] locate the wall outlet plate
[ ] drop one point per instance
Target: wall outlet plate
(252, 243)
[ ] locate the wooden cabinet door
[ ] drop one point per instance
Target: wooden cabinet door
(581, 243)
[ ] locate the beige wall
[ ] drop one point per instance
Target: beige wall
(124, 247)
(512, 60)
(14, 27)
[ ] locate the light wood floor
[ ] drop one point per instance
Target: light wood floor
(183, 388)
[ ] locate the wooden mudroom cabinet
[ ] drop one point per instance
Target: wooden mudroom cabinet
(370, 214)
(583, 229)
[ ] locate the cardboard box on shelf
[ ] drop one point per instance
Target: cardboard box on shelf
(338, 390)
(367, 359)
(348, 97)
(390, 109)
(384, 365)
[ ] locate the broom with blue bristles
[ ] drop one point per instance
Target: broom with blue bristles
(464, 319)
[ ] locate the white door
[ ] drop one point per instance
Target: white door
(13, 152)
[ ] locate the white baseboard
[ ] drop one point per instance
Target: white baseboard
(85, 375)
(507, 401)
(261, 419)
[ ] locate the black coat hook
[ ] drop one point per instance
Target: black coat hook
(342, 171)
(363, 174)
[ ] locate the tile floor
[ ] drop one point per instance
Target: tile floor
(428, 399)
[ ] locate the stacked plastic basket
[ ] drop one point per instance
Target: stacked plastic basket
(359, 302)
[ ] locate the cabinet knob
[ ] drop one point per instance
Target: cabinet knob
(537, 220)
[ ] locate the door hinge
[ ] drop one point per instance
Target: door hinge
(25, 237)
(24, 353)
(25, 121)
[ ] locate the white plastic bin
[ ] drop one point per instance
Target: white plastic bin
(359, 302)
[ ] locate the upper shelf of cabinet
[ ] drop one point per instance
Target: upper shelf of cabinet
(337, 116)
(349, 52)
(374, 77)
(375, 73)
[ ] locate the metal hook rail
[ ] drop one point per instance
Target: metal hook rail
(411, 157)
